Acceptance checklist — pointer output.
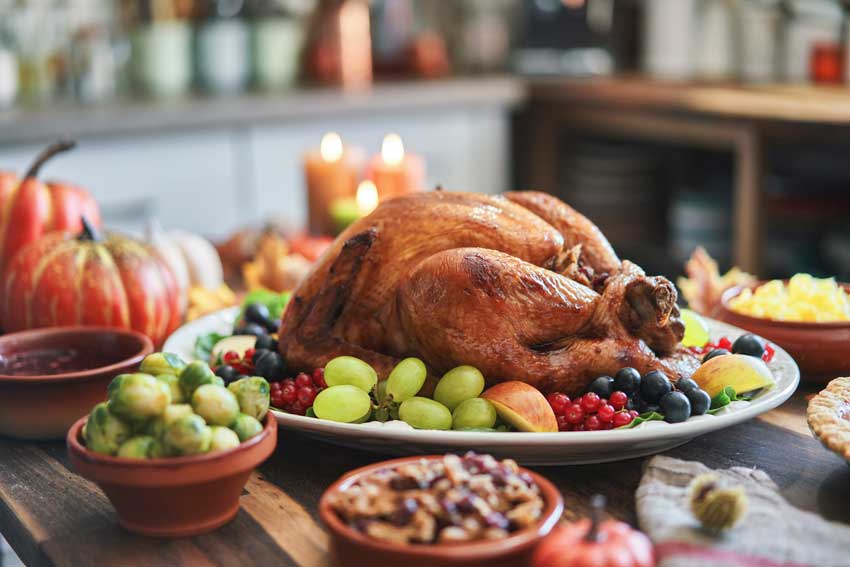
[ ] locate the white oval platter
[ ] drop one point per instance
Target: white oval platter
(527, 448)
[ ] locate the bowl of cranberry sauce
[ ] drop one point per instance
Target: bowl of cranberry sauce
(51, 377)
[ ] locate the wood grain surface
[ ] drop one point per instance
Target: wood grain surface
(53, 517)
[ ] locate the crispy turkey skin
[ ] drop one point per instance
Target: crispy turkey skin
(521, 286)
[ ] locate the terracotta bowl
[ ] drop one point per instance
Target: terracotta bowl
(176, 497)
(45, 406)
(820, 349)
(354, 549)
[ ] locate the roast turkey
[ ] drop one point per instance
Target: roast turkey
(520, 286)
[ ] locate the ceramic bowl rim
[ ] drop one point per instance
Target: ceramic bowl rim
(552, 511)
(144, 343)
(165, 463)
(734, 291)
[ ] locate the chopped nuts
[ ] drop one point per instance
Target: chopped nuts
(454, 499)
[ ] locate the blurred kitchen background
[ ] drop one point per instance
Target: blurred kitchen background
(671, 123)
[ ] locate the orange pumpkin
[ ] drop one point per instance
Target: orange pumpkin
(66, 279)
(30, 208)
(594, 543)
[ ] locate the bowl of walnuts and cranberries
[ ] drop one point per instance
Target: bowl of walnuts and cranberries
(439, 510)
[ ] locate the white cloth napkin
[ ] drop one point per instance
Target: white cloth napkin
(773, 533)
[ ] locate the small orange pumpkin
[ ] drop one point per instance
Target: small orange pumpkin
(594, 543)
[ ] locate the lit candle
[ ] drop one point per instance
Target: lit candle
(367, 197)
(331, 174)
(396, 172)
(346, 211)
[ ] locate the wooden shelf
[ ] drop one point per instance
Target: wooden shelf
(134, 116)
(779, 103)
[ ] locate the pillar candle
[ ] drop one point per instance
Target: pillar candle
(331, 174)
(394, 171)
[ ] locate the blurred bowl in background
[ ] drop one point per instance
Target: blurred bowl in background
(820, 349)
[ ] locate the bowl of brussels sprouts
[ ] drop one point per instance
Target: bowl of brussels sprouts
(172, 447)
(50, 377)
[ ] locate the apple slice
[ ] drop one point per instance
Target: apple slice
(236, 343)
(744, 373)
(522, 405)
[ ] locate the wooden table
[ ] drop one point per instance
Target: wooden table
(740, 119)
(53, 517)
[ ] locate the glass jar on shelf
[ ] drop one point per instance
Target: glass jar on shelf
(8, 67)
(39, 33)
(277, 39)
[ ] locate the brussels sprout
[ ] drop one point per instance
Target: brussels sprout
(162, 363)
(223, 438)
(246, 427)
(104, 432)
(157, 450)
(253, 396)
(137, 396)
(138, 447)
(196, 374)
(173, 383)
(216, 404)
(188, 435)
(172, 413)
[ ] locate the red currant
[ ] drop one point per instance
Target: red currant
(287, 382)
(574, 414)
(725, 343)
(319, 378)
(306, 395)
(606, 425)
(303, 380)
(558, 401)
(248, 357)
(288, 394)
(230, 356)
(589, 402)
(634, 413)
(274, 386)
(276, 400)
(605, 413)
(563, 424)
(622, 418)
(591, 423)
(768, 353)
(619, 400)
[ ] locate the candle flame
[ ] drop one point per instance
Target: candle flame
(367, 197)
(331, 147)
(392, 149)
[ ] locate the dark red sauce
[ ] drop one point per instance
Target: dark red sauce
(53, 361)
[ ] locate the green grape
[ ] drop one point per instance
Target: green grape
(696, 329)
(406, 379)
(474, 413)
(459, 384)
(423, 413)
(344, 403)
(352, 371)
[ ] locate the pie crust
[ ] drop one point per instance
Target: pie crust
(828, 415)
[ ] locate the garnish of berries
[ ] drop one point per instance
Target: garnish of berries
(590, 412)
(726, 343)
(296, 395)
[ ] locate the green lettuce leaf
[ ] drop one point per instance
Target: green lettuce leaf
(204, 345)
(644, 417)
(725, 397)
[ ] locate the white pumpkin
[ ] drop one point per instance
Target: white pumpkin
(172, 255)
(202, 259)
(193, 259)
